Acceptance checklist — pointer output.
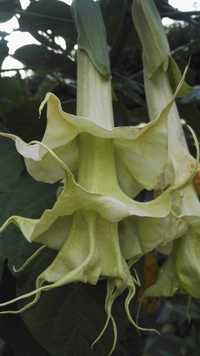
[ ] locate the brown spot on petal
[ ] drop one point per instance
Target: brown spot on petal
(150, 275)
(196, 182)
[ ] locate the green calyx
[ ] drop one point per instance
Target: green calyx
(92, 34)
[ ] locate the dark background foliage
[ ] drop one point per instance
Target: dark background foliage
(67, 320)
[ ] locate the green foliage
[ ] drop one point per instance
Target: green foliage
(7, 9)
(47, 19)
(19, 194)
(179, 323)
(3, 50)
(12, 94)
(68, 316)
(38, 57)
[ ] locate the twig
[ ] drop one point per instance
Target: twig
(14, 69)
(180, 13)
(44, 16)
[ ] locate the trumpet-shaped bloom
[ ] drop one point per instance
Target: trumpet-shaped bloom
(83, 225)
(98, 230)
(181, 269)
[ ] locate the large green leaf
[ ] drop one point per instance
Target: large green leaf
(23, 120)
(20, 194)
(115, 16)
(27, 198)
(18, 110)
(39, 58)
(13, 330)
(7, 9)
(67, 320)
(12, 94)
(10, 162)
(44, 16)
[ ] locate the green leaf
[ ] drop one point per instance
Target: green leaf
(67, 320)
(39, 58)
(18, 110)
(7, 9)
(11, 94)
(191, 97)
(24, 120)
(114, 12)
(92, 34)
(131, 89)
(28, 198)
(44, 16)
(10, 161)
(13, 330)
(3, 51)
(20, 194)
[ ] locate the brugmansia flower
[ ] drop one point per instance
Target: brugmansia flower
(97, 228)
(181, 271)
(101, 168)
